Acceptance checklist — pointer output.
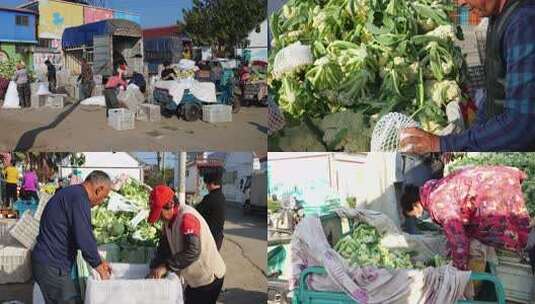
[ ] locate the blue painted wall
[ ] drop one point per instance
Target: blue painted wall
(127, 16)
(16, 33)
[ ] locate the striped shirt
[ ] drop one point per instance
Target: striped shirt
(513, 130)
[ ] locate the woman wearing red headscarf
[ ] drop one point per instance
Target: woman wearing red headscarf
(186, 247)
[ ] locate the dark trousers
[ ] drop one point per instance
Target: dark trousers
(219, 243)
(55, 284)
(86, 90)
(52, 84)
(11, 193)
(110, 96)
(205, 294)
(29, 195)
(24, 95)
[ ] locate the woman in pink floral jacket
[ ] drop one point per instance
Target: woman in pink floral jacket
(485, 203)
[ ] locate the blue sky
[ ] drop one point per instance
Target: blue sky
(153, 12)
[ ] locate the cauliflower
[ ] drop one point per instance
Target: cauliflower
(300, 139)
(346, 131)
(443, 32)
(443, 92)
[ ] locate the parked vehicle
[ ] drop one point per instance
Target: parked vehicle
(104, 44)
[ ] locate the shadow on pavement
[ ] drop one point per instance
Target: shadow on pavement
(27, 140)
(259, 127)
(240, 296)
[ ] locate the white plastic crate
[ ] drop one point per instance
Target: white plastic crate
(26, 230)
(55, 101)
(121, 119)
(15, 266)
(38, 101)
(148, 112)
(517, 280)
(5, 226)
(217, 113)
(128, 285)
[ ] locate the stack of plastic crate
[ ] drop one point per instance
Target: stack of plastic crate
(121, 119)
(217, 113)
(148, 112)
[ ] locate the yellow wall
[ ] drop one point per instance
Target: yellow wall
(55, 16)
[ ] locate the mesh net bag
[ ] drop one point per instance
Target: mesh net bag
(385, 136)
(290, 58)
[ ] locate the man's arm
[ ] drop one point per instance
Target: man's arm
(83, 233)
(191, 228)
(514, 129)
(507, 132)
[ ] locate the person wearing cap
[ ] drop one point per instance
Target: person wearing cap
(112, 87)
(22, 80)
(186, 247)
(212, 206)
(65, 227)
(505, 119)
(51, 75)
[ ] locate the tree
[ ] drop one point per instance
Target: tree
(223, 24)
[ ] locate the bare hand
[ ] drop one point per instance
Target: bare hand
(415, 140)
(158, 272)
(104, 270)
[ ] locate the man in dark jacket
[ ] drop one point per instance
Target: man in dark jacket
(86, 80)
(212, 206)
(64, 229)
(505, 120)
(51, 75)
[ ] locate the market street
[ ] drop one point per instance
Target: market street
(86, 129)
(244, 251)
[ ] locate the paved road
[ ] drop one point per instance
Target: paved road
(244, 251)
(83, 128)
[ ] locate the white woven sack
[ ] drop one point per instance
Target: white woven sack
(292, 57)
(385, 136)
(5, 226)
(43, 200)
(128, 285)
(26, 230)
(15, 266)
(11, 100)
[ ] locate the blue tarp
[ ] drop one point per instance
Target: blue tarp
(83, 34)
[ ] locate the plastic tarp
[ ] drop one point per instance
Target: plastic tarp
(204, 91)
(162, 44)
(369, 284)
(83, 35)
(380, 192)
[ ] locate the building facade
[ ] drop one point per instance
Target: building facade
(18, 35)
(54, 16)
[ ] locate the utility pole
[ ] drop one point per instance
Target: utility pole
(182, 187)
(176, 171)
